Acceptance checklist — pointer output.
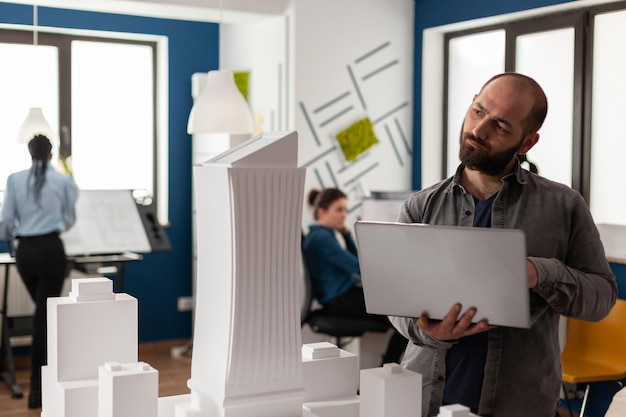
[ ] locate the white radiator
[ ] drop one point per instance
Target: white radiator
(19, 302)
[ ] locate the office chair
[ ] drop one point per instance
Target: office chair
(341, 328)
(595, 351)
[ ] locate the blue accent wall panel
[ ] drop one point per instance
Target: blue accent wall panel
(160, 278)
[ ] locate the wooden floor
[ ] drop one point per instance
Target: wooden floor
(173, 376)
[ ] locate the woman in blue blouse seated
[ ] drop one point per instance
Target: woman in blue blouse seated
(334, 270)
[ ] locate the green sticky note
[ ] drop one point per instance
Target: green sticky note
(241, 80)
(357, 138)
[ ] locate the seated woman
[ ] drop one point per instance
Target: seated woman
(335, 271)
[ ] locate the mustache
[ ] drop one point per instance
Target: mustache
(474, 139)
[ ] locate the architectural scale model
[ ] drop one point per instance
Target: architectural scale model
(90, 327)
(248, 358)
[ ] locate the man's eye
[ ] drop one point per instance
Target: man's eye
(500, 127)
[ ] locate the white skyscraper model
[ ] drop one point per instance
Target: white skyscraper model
(246, 351)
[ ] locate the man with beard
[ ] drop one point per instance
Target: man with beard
(500, 371)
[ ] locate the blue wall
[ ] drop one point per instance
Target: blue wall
(160, 278)
(431, 13)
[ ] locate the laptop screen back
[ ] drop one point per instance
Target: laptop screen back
(410, 269)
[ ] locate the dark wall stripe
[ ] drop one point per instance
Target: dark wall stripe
(308, 122)
(372, 52)
(355, 207)
(390, 112)
(336, 116)
(368, 169)
(320, 156)
(379, 70)
(353, 163)
(403, 136)
(319, 178)
(356, 87)
(331, 102)
(393, 145)
(332, 175)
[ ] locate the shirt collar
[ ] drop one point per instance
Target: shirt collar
(519, 174)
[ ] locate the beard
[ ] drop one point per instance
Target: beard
(481, 159)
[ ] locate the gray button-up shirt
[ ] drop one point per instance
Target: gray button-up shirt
(523, 369)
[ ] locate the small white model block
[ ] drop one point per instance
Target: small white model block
(342, 407)
(455, 410)
(320, 350)
(68, 399)
(127, 390)
(391, 391)
(328, 372)
(92, 289)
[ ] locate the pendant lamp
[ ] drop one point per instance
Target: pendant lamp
(35, 122)
(220, 107)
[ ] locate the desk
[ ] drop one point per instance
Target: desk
(5, 346)
(105, 264)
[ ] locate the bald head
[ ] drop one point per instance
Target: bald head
(526, 85)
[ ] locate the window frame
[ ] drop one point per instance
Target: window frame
(581, 20)
(62, 40)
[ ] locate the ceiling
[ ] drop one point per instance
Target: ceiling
(229, 11)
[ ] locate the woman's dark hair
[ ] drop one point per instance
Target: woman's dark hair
(323, 199)
(40, 149)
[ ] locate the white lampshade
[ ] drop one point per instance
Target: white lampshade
(220, 107)
(35, 124)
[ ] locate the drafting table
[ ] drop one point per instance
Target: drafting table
(111, 230)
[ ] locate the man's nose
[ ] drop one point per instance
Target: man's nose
(481, 130)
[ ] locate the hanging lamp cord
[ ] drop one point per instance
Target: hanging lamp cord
(35, 23)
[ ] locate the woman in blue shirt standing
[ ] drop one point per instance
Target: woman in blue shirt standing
(39, 204)
(334, 270)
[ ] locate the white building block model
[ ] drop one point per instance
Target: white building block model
(328, 372)
(390, 391)
(330, 380)
(340, 407)
(85, 330)
(455, 410)
(246, 351)
(127, 390)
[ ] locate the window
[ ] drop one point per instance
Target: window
(100, 94)
(28, 78)
(575, 57)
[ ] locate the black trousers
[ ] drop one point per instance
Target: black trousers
(42, 264)
(352, 304)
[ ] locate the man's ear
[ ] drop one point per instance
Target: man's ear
(529, 141)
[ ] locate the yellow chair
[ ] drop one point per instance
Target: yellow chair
(596, 351)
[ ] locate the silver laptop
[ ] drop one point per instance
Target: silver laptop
(410, 269)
